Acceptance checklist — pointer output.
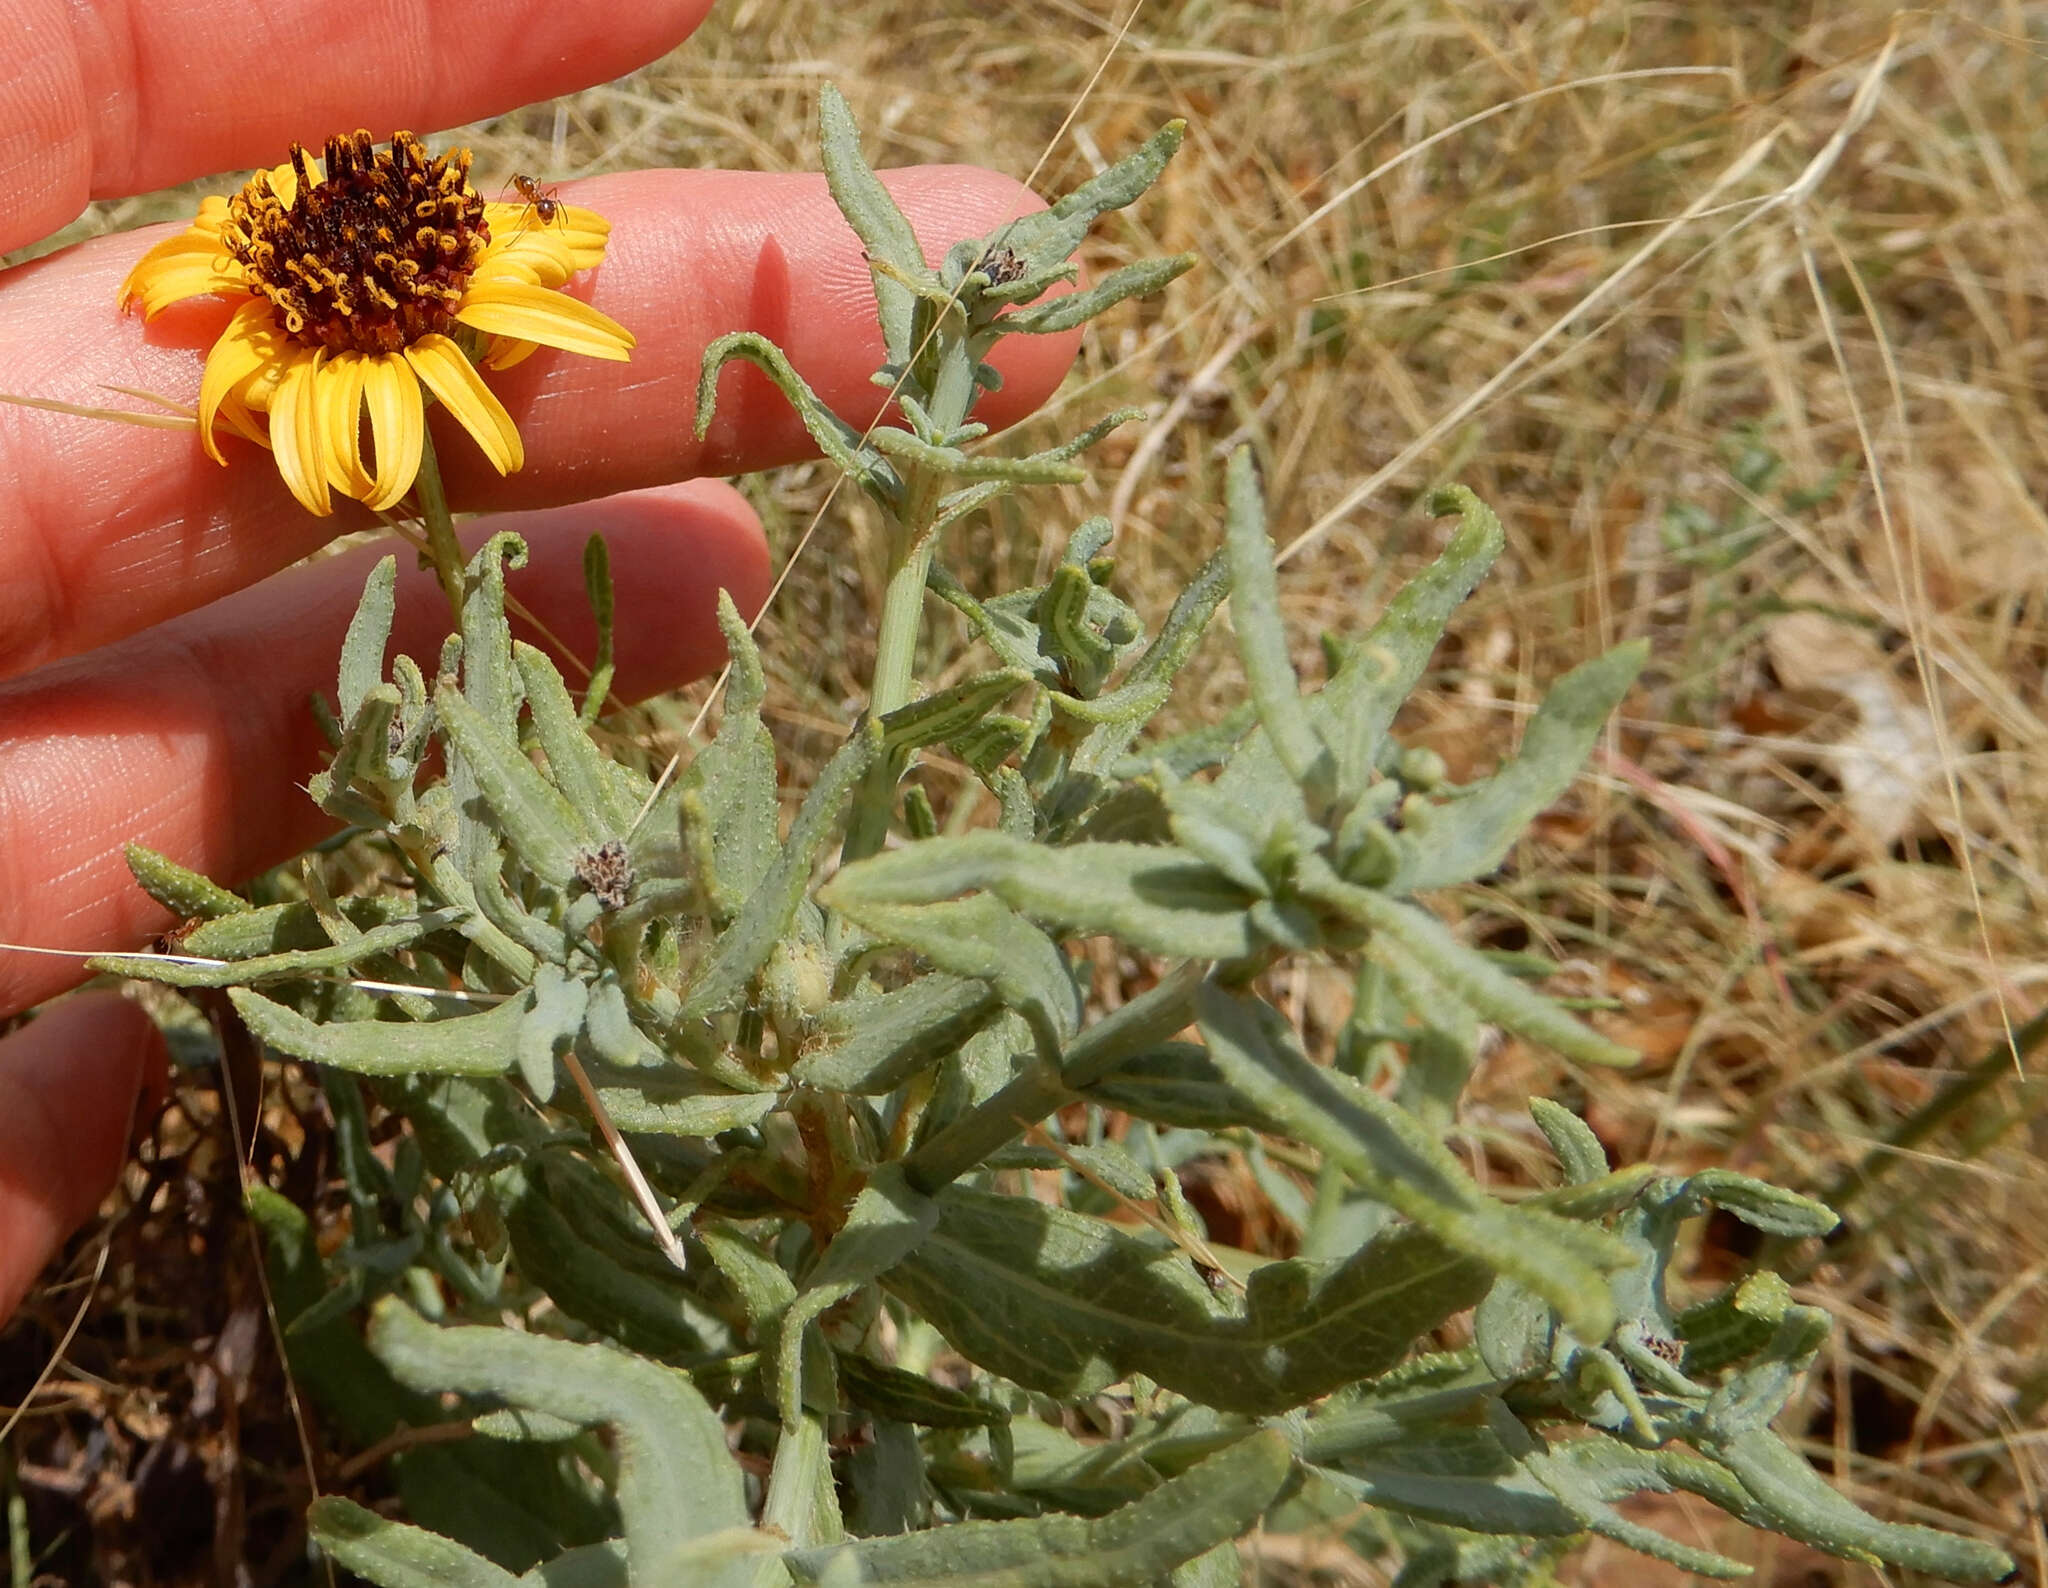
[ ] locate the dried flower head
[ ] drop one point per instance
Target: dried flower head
(365, 278)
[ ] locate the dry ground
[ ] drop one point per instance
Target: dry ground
(1735, 315)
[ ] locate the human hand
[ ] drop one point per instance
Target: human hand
(155, 663)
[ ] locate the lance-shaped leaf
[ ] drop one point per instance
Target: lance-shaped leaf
(1471, 835)
(328, 960)
(1262, 641)
(1078, 308)
(677, 1479)
(1756, 1476)
(1156, 897)
(183, 892)
(1049, 237)
(369, 632)
(395, 1555)
(550, 1027)
(543, 828)
(1472, 976)
(1033, 470)
(1209, 1504)
(1392, 1159)
(681, 1103)
(362, 757)
(1069, 1304)
(838, 440)
(949, 711)
(490, 685)
(1759, 1204)
(1352, 712)
(583, 773)
(885, 235)
(984, 939)
(878, 1043)
(485, 1044)
(1178, 1083)
(597, 588)
(728, 802)
(744, 947)
(892, 1393)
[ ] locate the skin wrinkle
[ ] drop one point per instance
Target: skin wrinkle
(45, 152)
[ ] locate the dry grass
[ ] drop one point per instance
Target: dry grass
(1799, 442)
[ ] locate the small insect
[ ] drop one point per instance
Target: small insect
(540, 200)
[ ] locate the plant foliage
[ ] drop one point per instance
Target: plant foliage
(828, 1093)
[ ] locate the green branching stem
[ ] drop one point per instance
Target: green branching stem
(913, 536)
(442, 546)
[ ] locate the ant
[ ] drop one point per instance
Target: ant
(541, 200)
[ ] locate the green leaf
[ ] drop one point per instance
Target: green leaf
(1052, 235)
(1261, 638)
(1572, 1139)
(892, 1393)
(1209, 1504)
(597, 587)
(1470, 836)
(728, 794)
(982, 938)
(1763, 1206)
(885, 235)
(1473, 977)
(1077, 308)
(838, 440)
(683, 1104)
(677, 1479)
(1756, 1476)
(1154, 897)
(878, 1043)
(1391, 1159)
(553, 1021)
(953, 710)
(1351, 714)
(802, 1502)
(1069, 1304)
(369, 632)
(583, 773)
(543, 828)
(328, 960)
(1178, 1083)
(485, 1044)
(395, 1555)
(184, 893)
(745, 946)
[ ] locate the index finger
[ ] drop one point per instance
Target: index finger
(109, 97)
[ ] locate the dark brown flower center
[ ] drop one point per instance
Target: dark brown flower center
(373, 256)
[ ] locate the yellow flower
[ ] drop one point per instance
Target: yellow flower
(363, 278)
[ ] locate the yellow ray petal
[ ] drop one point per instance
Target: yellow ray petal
(451, 377)
(177, 274)
(553, 319)
(338, 392)
(250, 341)
(582, 231)
(536, 255)
(505, 351)
(298, 435)
(398, 427)
(241, 422)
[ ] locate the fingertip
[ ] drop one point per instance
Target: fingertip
(73, 1085)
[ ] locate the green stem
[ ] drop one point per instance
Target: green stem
(443, 548)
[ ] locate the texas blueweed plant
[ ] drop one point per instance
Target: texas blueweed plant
(708, 1220)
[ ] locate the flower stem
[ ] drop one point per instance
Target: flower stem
(442, 546)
